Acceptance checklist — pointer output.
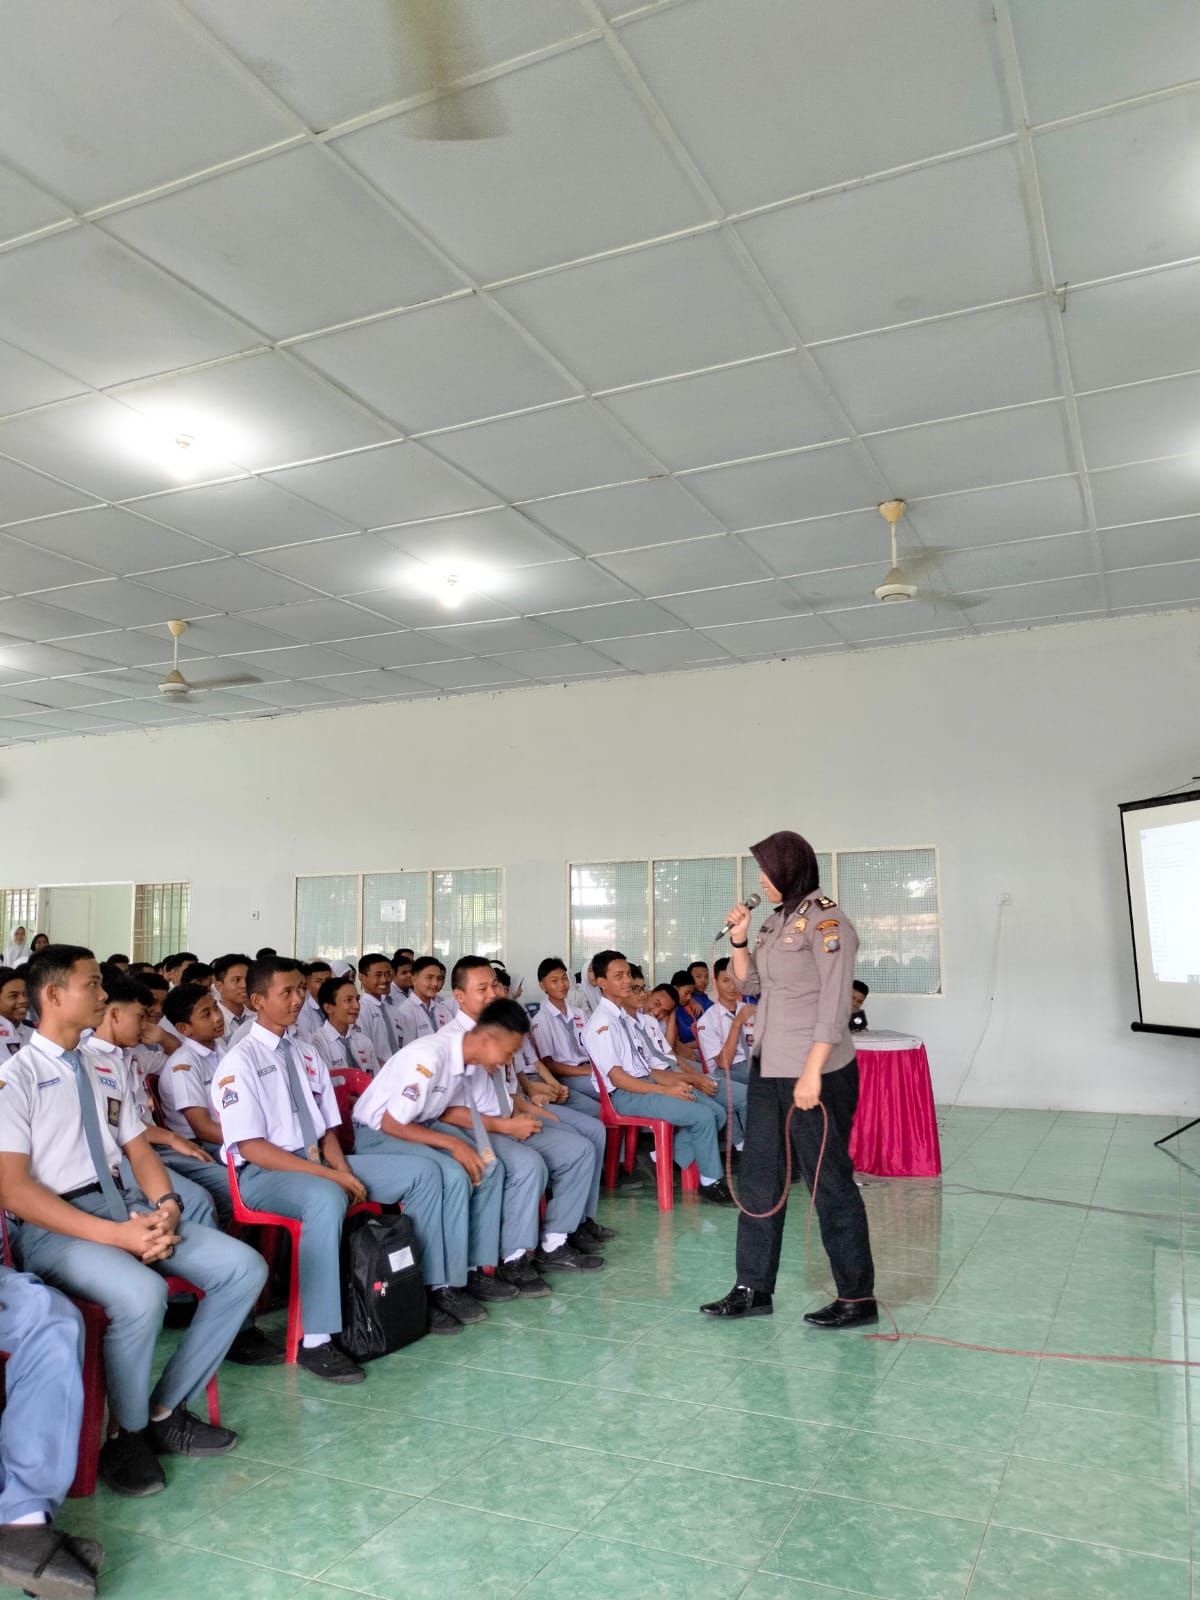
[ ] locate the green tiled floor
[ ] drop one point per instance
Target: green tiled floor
(610, 1443)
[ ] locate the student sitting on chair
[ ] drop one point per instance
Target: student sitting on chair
(659, 1054)
(402, 965)
(13, 1007)
(340, 1039)
(858, 999)
(379, 1017)
(698, 973)
(311, 1019)
(558, 1036)
(639, 1089)
(64, 1127)
(721, 1040)
(185, 1081)
(424, 1011)
(229, 986)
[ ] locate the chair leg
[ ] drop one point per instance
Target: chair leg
(664, 1149)
(91, 1432)
(213, 1393)
(631, 1139)
(295, 1322)
(691, 1179)
(612, 1156)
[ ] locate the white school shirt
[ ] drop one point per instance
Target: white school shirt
(120, 1063)
(611, 1040)
(397, 995)
(311, 1019)
(10, 1039)
(251, 1097)
(371, 1019)
(415, 1021)
(233, 1024)
(558, 1034)
(39, 1115)
(332, 1046)
(584, 996)
(656, 1040)
(480, 1084)
(418, 1083)
(185, 1081)
(712, 1030)
(146, 1061)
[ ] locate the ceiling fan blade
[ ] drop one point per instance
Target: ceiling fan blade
(236, 682)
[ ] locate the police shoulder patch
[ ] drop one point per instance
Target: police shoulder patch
(825, 902)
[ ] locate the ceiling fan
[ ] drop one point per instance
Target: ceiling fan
(900, 582)
(176, 687)
(435, 34)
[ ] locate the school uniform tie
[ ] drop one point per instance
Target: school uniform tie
(479, 1134)
(351, 1058)
(428, 1010)
(631, 1035)
(389, 1027)
(301, 1104)
(113, 1199)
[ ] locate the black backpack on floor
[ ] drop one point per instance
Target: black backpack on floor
(383, 1292)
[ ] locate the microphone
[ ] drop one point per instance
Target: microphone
(750, 902)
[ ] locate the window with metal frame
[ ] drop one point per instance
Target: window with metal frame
(891, 896)
(162, 914)
(609, 910)
(395, 911)
(459, 911)
(468, 913)
(691, 899)
(19, 911)
(327, 917)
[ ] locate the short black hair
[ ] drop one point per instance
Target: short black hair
(258, 979)
(182, 1001)
(692, 965)
(52, 965)
(185, 955)
(423, 962)
(266, 953)
(112, 960)
(509, 1015)
(7, 974)
(403, 952)
(669, 989)
(466, 964)
(501, 976)
(328, 992)
(153, 982)
(720, 965)
(601, 962)
(127, 992)
(223, 965)
(196, 972)
(683, 978)
(863, 987)
(318, 965)
(365, 963)
(636, 972)
(550, 964)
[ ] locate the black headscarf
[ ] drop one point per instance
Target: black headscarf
(791, 864)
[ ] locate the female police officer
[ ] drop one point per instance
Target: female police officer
(802, 967)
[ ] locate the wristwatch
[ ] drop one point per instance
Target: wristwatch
(163, 1198)
(741, 946)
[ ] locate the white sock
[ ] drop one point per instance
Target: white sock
(314, 1341)
(516, 1256)
(654, 1155)
(34, 1519)
(436, 1288)
(551, 1241)
(160, 1413)
(741, 1146)
(707, 1183)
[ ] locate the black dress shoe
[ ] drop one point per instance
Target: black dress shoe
(45, 1561)
(181, 1433)
(741, 1302)
(328, 1362)
(252, 1348)
(583, 1244)
(129, 1466)
(717, 1194)
(844, 1314)
(597, 1230)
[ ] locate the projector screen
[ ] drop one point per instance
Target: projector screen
(1162, 868)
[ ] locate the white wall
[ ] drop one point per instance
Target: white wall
(1009, 752)
(99, 915)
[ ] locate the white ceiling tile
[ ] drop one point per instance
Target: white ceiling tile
(1140, 327)
(1177, 584)
(155, 99)
(1137, 164)
(218, 636)
(1094, 52)
(371, 685)
(115, 540)
(498, 538)
(1146, 543)
(624, 319)
(263, 411)
(842, 586)
(247, 514)
(26, 494)
(487, 638)
(26, 380)
(1063, 597)
(823, 542)
(411, 605)
(149, 712)
(318, 621)
(556, 584)
(738, 602)
(292, 244)
(562, 663)
(107, 449)
(11, 706)
(1066, 555)
(1141, 493)
(475, 674)
(25, 569)
(124, 649)
(619, 621)
(1000, 515)
(880, 623)
(115, 601)
(820, 85)
(812, 483)
(784, 635)
(375, 488)
(297, 661)
(292, 696)
(970, 247)
(751, 409)
(86, 304)
(507, 206)
(655, 511)
(75, 722)
(1141, 422)
(672, 568)
(397, 649)
(342, 566)
(335, 67)
(24, 208)
(137, 683)
(61, 693)
(227, 584)
(543, 452)
(439, 365)
(969, 452)
(659, 652)
(40, 660)
(32, 619)
(997, 357)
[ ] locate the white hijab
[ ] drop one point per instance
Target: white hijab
(17, 952)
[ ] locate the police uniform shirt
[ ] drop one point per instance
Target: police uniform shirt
(558, 1034)
(40, 1117)
(802, 967)
(712, 1030)
(311, 1019)
(611, 1040)
(418, 1083)
(334, 1047)
(251, 1097)
(185, 1081)
(10, 1039)
(415, 1020)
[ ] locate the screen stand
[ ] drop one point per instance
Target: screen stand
(1177, 1132)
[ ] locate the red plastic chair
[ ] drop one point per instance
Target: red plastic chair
(247, 1216)
(620, 1127)
(349, 1085)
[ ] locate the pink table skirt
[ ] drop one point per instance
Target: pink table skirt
(895, 1131)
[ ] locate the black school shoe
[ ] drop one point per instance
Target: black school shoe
(524, 1278)
(46, 1561)
(129, 1466)
(252, 1348)
(844, 1314)
(583, 1243)
(597, 1230)
(181, 1433)
(457, 1303)
(489, 1286)
(717, 1194)
(565, 1259)
(741, 1302)
(329, 1363)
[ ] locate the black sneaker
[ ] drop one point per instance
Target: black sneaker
(252, 1348)
(326, 1361)
(528, 1283)
(129, 1466)
(565, 1259)
(43, 1560)
(438, 1321)
(631, 1182)
(181, 1433)
(582, 1242)
(717, 1194)
(487, 1286)
(596, 1230)
(458, 1304)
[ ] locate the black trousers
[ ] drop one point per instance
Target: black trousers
(840, 1210)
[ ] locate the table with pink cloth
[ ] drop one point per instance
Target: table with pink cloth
(895, 1127)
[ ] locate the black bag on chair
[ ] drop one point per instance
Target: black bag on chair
(383, 1292)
